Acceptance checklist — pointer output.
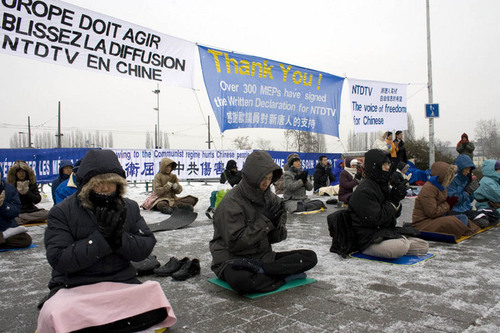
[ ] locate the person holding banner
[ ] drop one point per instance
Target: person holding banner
(296, 183)
(165, 189)
(247, 221)
(91, 239)
(23, 178)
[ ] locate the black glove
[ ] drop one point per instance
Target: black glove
(110, 225)
(303, 175)
(274, 212)
(472, 186)
(358, 175)
(397, 194)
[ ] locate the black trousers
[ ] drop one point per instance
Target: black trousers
(284, 265)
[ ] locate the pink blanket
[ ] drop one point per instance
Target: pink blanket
(101, 303)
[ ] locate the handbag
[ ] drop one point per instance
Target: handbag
(148, 203)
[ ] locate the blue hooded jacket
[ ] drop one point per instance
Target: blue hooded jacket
(459, 183)
(11, 205)
(62, 177)
(489, 188)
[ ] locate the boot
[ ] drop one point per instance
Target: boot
(186, 207)
(167, 210)
(172, 266)
(189, 269)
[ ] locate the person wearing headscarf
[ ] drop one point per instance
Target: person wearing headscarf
(249, 219)
(374, 208)
(90, 240)
(464, 146)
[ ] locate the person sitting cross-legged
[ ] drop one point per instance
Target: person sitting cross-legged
(374, 208)
(248, 220)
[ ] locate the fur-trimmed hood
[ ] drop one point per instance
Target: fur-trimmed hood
(11, 174)
(445, 172)
(166, 162)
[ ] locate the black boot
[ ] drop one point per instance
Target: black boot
(189, 269)
(172, 266)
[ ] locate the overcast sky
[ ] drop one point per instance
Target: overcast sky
(381, 40)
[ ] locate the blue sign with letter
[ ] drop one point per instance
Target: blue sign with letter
(431, 110)
(247, 91)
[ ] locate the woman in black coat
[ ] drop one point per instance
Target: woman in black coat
(374, 207)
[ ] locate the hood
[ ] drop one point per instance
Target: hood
(231, 164)
(374, 158)
(62, 165)
(488, 170)
(165, 162)
(381, 135)
(445, 172)
(463, 161)
(257, 165)
(97, 162)
(11, 174)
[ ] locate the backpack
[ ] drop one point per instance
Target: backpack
(343, 236)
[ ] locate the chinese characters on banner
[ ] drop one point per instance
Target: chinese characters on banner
(378, 105)
(144, 164)
(247, 91)
(60, 33)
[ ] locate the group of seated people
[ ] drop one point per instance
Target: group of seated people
(93, 236)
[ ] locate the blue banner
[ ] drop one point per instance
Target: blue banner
(45, 162)
(247, 91)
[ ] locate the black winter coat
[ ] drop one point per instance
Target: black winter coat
(322, 174)
(79, 254)
(373, 216)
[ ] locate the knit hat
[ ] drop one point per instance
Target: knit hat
(497, 165)
(293, 159)
(231, 164)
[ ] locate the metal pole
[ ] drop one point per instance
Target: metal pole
(157, 92)
(29, 132)
(208, 132)
(429, 86)
(59, 145)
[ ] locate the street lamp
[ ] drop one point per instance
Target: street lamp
(157, 108)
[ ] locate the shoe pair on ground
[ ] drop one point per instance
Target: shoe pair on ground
(179, 269)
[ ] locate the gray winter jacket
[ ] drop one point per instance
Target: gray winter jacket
(240, 228)
(295, 189)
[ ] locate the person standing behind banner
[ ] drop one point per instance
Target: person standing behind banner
(464, 146)
(381, 142)
(22, 177)
(393, 151)
(398, 141)
(12, 235)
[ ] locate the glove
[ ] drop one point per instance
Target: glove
(452, 201)
(23, 186)
(274, 212)
(303, 175)
(472, 186)
(110, 225)
(175, 186)
(358, 175)
(397, 194)
(2, 197)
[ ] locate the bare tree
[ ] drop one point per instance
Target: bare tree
(488, 138)
(321, 143)
(242, 142)
(302, 141)
(264, 144)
